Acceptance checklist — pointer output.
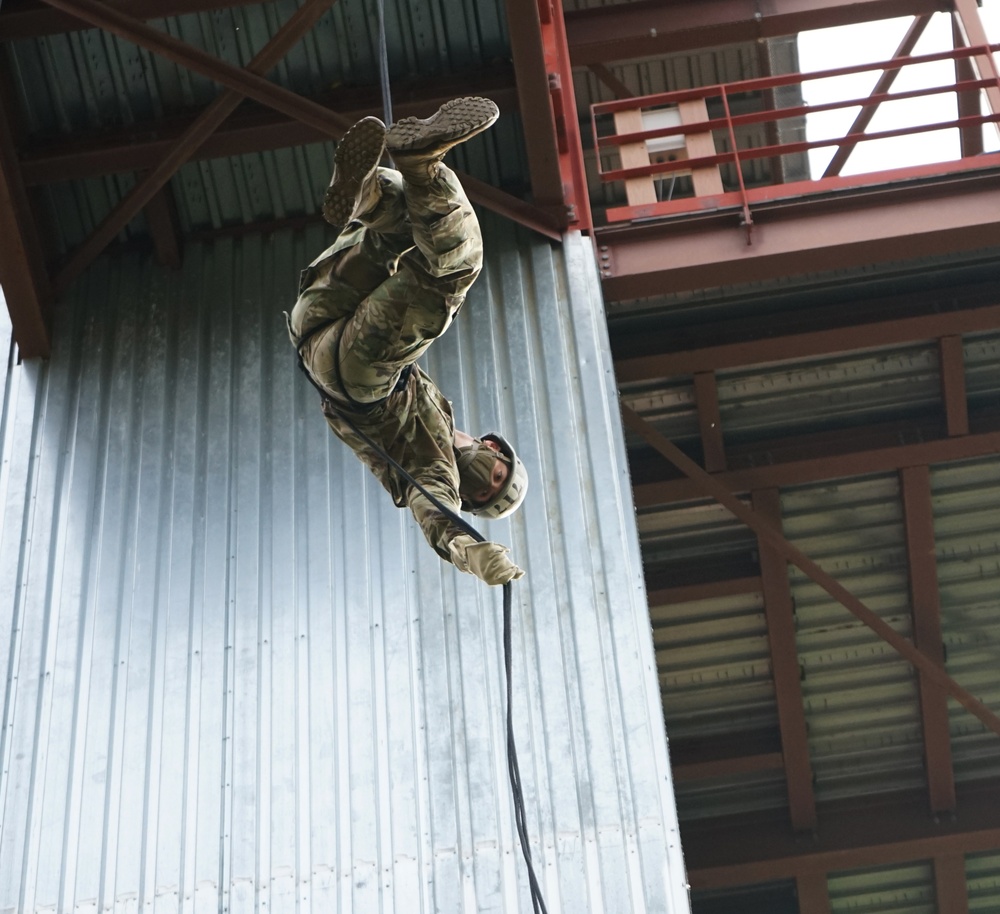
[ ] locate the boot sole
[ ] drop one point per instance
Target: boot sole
(356, 158)
(453, 123)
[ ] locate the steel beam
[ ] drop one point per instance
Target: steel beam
(785, 671)
(23, 273)
(728, 587)
(710, 486)
(139, 147)
(925, 601)
(244, 82)
(813, 892)
(845, 230)
(727, 767)
(970, 138)
(728, 755)
(706, 398)
(836, 466)
(885, 81)
(549, 115)
(151, 184)
(651, 28)
(950, 886)
(970, 28)
(898, 331)
(882, 831)
(33, 19)
(951, 359)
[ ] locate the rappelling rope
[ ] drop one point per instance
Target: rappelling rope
(513, 771)
(383, 65)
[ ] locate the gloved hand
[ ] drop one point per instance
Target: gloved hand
(487, 561)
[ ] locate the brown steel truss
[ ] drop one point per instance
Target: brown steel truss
(29, 288)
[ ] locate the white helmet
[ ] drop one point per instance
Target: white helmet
(509, 498)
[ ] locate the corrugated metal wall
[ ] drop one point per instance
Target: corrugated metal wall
(237, 679)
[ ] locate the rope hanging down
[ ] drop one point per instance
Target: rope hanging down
(383, 65)
(513, 771)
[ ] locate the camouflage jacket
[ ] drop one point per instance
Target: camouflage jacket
(415, 426)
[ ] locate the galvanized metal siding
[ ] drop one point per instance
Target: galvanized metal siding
(237, 678)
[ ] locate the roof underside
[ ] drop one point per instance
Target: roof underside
(859, 407)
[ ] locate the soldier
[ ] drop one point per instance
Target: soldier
(370, 305)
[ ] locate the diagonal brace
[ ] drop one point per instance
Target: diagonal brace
(270, 94)
(197, 132)
(766, 531)
(883, 85)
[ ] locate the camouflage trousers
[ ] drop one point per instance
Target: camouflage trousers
(411, 268)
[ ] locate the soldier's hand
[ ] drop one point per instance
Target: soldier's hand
(487, 561)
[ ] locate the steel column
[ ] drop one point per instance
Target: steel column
(950, 885)
(551, 123)
(953, 393)
(785, 671)
(925, 601)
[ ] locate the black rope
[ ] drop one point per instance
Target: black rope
(513, 771)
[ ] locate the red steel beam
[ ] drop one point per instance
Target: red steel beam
(813, 892)
(953, 392)
(139, 147)
(23, 273)
(549, 115)
(950, 885)
(925, 600)
(872, 335)
(839, 466)
(971, 30)
(727, 767)
(711, 487)
(806, 235)
(706, 398)
(242, 81)
(729, 587)
(785, 672)
(880, 831)
(151, 184)
(651, 28)
(971, 138)
(884, 83)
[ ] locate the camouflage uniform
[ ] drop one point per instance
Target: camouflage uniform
(360, 344)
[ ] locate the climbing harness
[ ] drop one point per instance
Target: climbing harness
(513, 771)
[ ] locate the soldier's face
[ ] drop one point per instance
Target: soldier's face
(498, 476)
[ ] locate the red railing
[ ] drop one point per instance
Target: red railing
(695, 138)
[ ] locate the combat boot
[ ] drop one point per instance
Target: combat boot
(354, 188)
(417, 145)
